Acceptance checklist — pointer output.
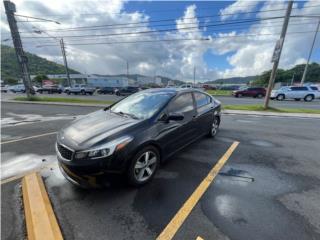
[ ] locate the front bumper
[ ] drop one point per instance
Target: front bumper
(90, 173)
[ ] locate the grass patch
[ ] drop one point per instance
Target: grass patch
(270, 109)
(220, 92)
(62, 100)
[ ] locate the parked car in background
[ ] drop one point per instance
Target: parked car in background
(186, 86)
(4, 88)
(106, 90)
(209, 87)
(256, 92)
(49, 89)
(135, 135)
(17, 88)
(307, 93)
(80, 89)
(126, 91)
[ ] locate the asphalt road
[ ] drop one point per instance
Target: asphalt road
(224, 99)
(268, 189)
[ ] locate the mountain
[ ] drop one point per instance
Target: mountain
(37, 65)
(285, 76)
(233, 80)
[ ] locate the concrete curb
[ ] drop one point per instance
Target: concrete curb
(40, 218)
(272, 114)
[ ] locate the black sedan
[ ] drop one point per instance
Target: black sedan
(106, 90)
(133, 136)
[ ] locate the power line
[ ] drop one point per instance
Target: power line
(177, 39)
(162, 10)
(168, 30)
(257, 28)
(163, 20)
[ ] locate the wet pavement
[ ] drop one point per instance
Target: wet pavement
(268, 189)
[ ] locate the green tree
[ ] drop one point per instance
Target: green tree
(11, 81)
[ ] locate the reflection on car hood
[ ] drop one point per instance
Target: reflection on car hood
(91, 129)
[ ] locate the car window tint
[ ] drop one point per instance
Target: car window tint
(201, 99)
(314, 88)
(299, 88)
(183, 103)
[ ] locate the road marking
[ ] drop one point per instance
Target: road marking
(199, 238)
(176, 222)
(40, 219)
(27, 138)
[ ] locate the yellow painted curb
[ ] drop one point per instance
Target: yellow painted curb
(40, 219)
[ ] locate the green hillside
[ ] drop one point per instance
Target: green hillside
(285, 76)
(37, 65)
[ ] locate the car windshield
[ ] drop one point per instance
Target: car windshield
(142, 105)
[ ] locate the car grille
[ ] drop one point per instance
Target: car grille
(65, 152)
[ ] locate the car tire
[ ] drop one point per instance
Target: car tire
(214, 127)
(280, 97)
(259, 95)
(137, 173)
(83, 92)
(68, 92)
(91, 93)
(309, 98)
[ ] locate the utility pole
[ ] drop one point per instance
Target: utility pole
(65, 61)
(292, 80)
(277, 54)
(194, 76)
(127, 69)
(10, 9)
(310, 53)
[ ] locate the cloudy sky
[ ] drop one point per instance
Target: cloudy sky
(168, 38)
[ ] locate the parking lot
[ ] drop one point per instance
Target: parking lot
(268, 188)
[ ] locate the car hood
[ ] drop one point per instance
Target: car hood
(89, 130)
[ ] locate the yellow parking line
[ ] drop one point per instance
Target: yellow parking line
(40, 219)
(26, 138)
(176, 222)
(199, 238)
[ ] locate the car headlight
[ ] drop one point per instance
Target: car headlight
(104, 150)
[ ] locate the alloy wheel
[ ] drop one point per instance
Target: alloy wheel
(145, 166)
(214, 127)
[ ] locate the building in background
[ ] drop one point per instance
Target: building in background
(107, 81)
(90, 79)
(145, 80)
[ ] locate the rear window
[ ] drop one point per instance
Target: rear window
(314, 88)
(202, 99)
(183, 103)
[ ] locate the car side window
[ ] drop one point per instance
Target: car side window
(201, 99)
(299, 89)
(182, 104)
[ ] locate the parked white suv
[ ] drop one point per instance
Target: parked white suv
(307, 93)
(80, 89)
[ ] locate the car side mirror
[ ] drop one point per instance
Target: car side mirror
(175, 117)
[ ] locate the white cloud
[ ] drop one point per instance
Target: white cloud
(240, 6)
(248, 55)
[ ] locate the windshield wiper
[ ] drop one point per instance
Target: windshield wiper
(126, 114)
